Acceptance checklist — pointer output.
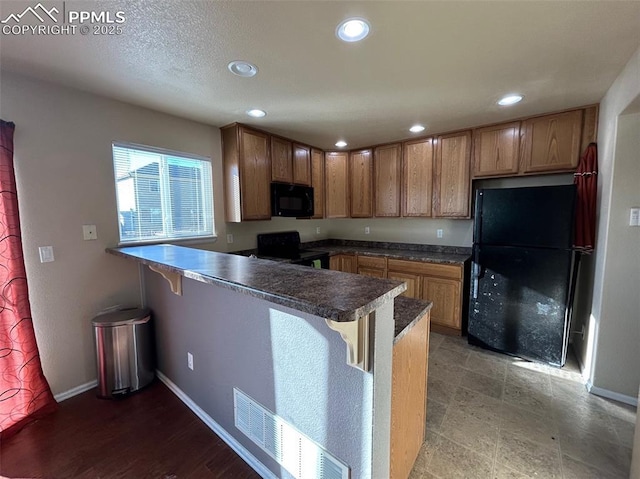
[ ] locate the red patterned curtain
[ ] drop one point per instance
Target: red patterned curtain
(24, 392)
(586, 180)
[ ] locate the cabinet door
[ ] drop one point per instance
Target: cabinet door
(343, 262)
(371, 272)
(496, 150)
(336, 177)
(417, 177)
(552, 142)
(281, 163)
(387, 171)
(413, 281)
(301, 165)
(317, 182)
(446, 297)
(255, 174)
(452, 183)
(409, 398)
(360, 176)
(348, 263)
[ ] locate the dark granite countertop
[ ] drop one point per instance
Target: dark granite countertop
(409, 255)
(406, 313)
(328, 294)
(405, 251)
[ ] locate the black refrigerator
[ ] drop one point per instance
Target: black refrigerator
(522, 271)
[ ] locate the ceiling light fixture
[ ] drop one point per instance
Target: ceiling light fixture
(256, 113)
(341, 144)
(353, 30)
(510, 100)
(416, 129)
(242, 68)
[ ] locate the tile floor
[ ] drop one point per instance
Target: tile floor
(493, 416)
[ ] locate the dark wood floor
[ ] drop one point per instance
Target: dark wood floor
(151, 434)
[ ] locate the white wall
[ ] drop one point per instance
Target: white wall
(404, 230)
(617, 367)
(609, 352)
(65, 179)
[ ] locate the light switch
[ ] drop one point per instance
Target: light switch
(229, 238)
(439, 233)
(89, 232)
(46, 254)
(634, 217)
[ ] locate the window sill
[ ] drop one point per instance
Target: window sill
(180, 241)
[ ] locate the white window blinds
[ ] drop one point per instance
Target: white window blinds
(162, 194)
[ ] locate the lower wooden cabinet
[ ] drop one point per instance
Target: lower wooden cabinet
(409, 397)
(440, 283)
(343, 262)
(414, 283)
(445, 294)
(436, 282)
(374, 266)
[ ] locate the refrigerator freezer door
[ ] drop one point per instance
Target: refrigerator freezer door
(518, 301)
(538, 217)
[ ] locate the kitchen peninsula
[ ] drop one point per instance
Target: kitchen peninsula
(277, 334)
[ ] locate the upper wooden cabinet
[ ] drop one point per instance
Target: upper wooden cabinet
(301, 164)
(496, 150)
(452, 185)
(360, 180)
(281, 164)
(417, 177)
(336, 180)
(552, 142)
(387, 174)
(317, 182)
(247, 174)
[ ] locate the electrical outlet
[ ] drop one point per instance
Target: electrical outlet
(46, 254)
(367, 230)
(439, 233)
(89, 232)
(190, 361)
(229, 238)
(634, 217)
(318, 230)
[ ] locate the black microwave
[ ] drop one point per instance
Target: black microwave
(291, 200)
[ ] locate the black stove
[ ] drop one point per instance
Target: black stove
(285, 245)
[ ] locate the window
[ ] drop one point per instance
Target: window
(162, 194)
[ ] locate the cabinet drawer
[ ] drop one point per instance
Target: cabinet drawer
(372, 262)
(451, 271)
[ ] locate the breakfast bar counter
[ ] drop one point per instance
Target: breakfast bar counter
(274, 336)
(324, 293)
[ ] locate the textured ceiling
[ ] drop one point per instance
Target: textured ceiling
(444, 64)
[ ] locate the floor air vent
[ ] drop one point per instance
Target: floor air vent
(298, 454)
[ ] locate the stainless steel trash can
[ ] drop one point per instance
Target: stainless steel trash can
(125, 351)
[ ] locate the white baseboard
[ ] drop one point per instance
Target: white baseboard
(75, 391)
(605, 393)
(239, 449)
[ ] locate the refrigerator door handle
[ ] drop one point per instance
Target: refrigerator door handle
(477, 274)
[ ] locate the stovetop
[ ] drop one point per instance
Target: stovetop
(285, 245)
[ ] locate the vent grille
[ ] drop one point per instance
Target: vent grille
(302, 457)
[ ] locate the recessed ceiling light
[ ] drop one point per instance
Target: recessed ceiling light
(242, 68)
(510, 100)
(353, 30)
(256, 113)
(341, 144)
(416, 129)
